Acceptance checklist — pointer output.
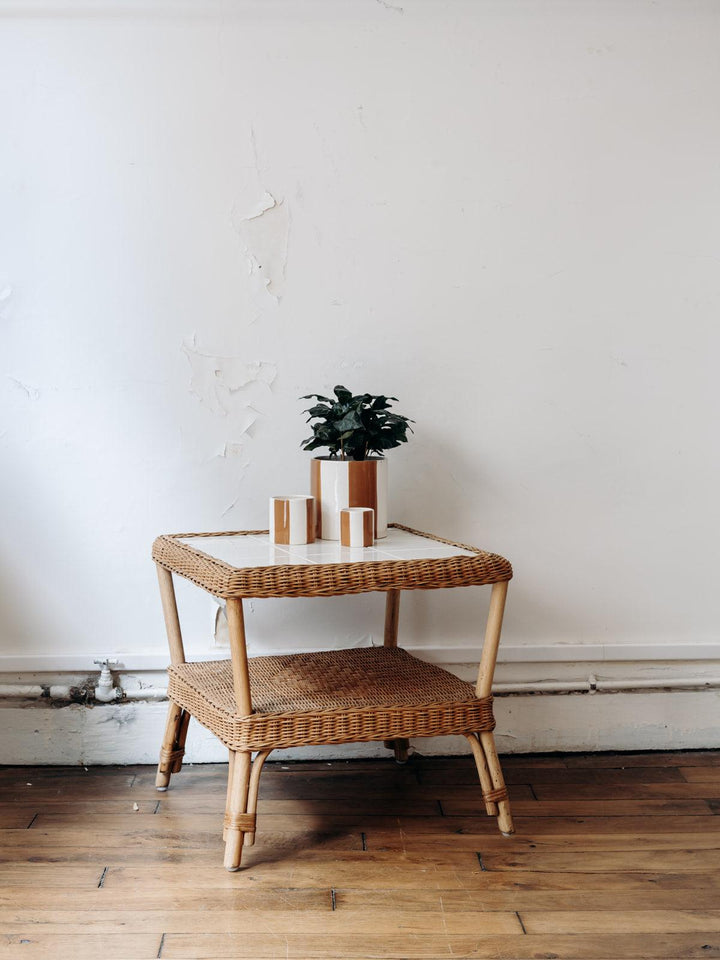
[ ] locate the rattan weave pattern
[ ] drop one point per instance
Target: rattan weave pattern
(339, 696)
(327, 579)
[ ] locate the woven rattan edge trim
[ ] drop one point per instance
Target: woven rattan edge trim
(176, 682)
(222, 533)
(450, 543)
(304, 715)
(191, 563)
(259, 741)
(294, 580)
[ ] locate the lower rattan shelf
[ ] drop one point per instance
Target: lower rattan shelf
(337, 696)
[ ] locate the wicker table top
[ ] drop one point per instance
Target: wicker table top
(246, 564)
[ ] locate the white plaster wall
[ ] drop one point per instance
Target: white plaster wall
(505, 213)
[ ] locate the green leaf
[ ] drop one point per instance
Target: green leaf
(343, 394)
(316, 396)
(351, 421)
(319, 410)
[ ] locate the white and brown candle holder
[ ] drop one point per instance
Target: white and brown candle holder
(357, 526)
(292, 519)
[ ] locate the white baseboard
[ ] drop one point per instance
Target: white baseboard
(130, 733)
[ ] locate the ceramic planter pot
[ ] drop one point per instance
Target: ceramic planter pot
(336, 484)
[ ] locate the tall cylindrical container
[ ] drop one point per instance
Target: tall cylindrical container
(336, 484)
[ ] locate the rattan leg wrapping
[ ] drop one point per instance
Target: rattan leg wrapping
(240, 821)
(170, 758)
(495, 796)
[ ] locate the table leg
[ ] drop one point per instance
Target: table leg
(257, 766)
(505, 821)
(176, 727)
(173, 745)
(237, 821)
(498, 792)
(399, 747)
(483, 772)
(392, 615)
(181, 738)
(231, 764)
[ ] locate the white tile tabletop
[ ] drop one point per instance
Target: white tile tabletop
(244, 551)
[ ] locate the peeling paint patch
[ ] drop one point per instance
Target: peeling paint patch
(5, 294)
(122, 717)
(234, 449)
(32, 392)
(221, 633)
(244, 468)
(264, 232)
(228, 385)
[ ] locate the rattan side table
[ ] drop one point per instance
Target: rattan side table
(255, 705)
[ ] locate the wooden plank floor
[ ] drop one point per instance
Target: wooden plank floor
(615, 857)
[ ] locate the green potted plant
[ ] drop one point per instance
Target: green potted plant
(357, 430)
